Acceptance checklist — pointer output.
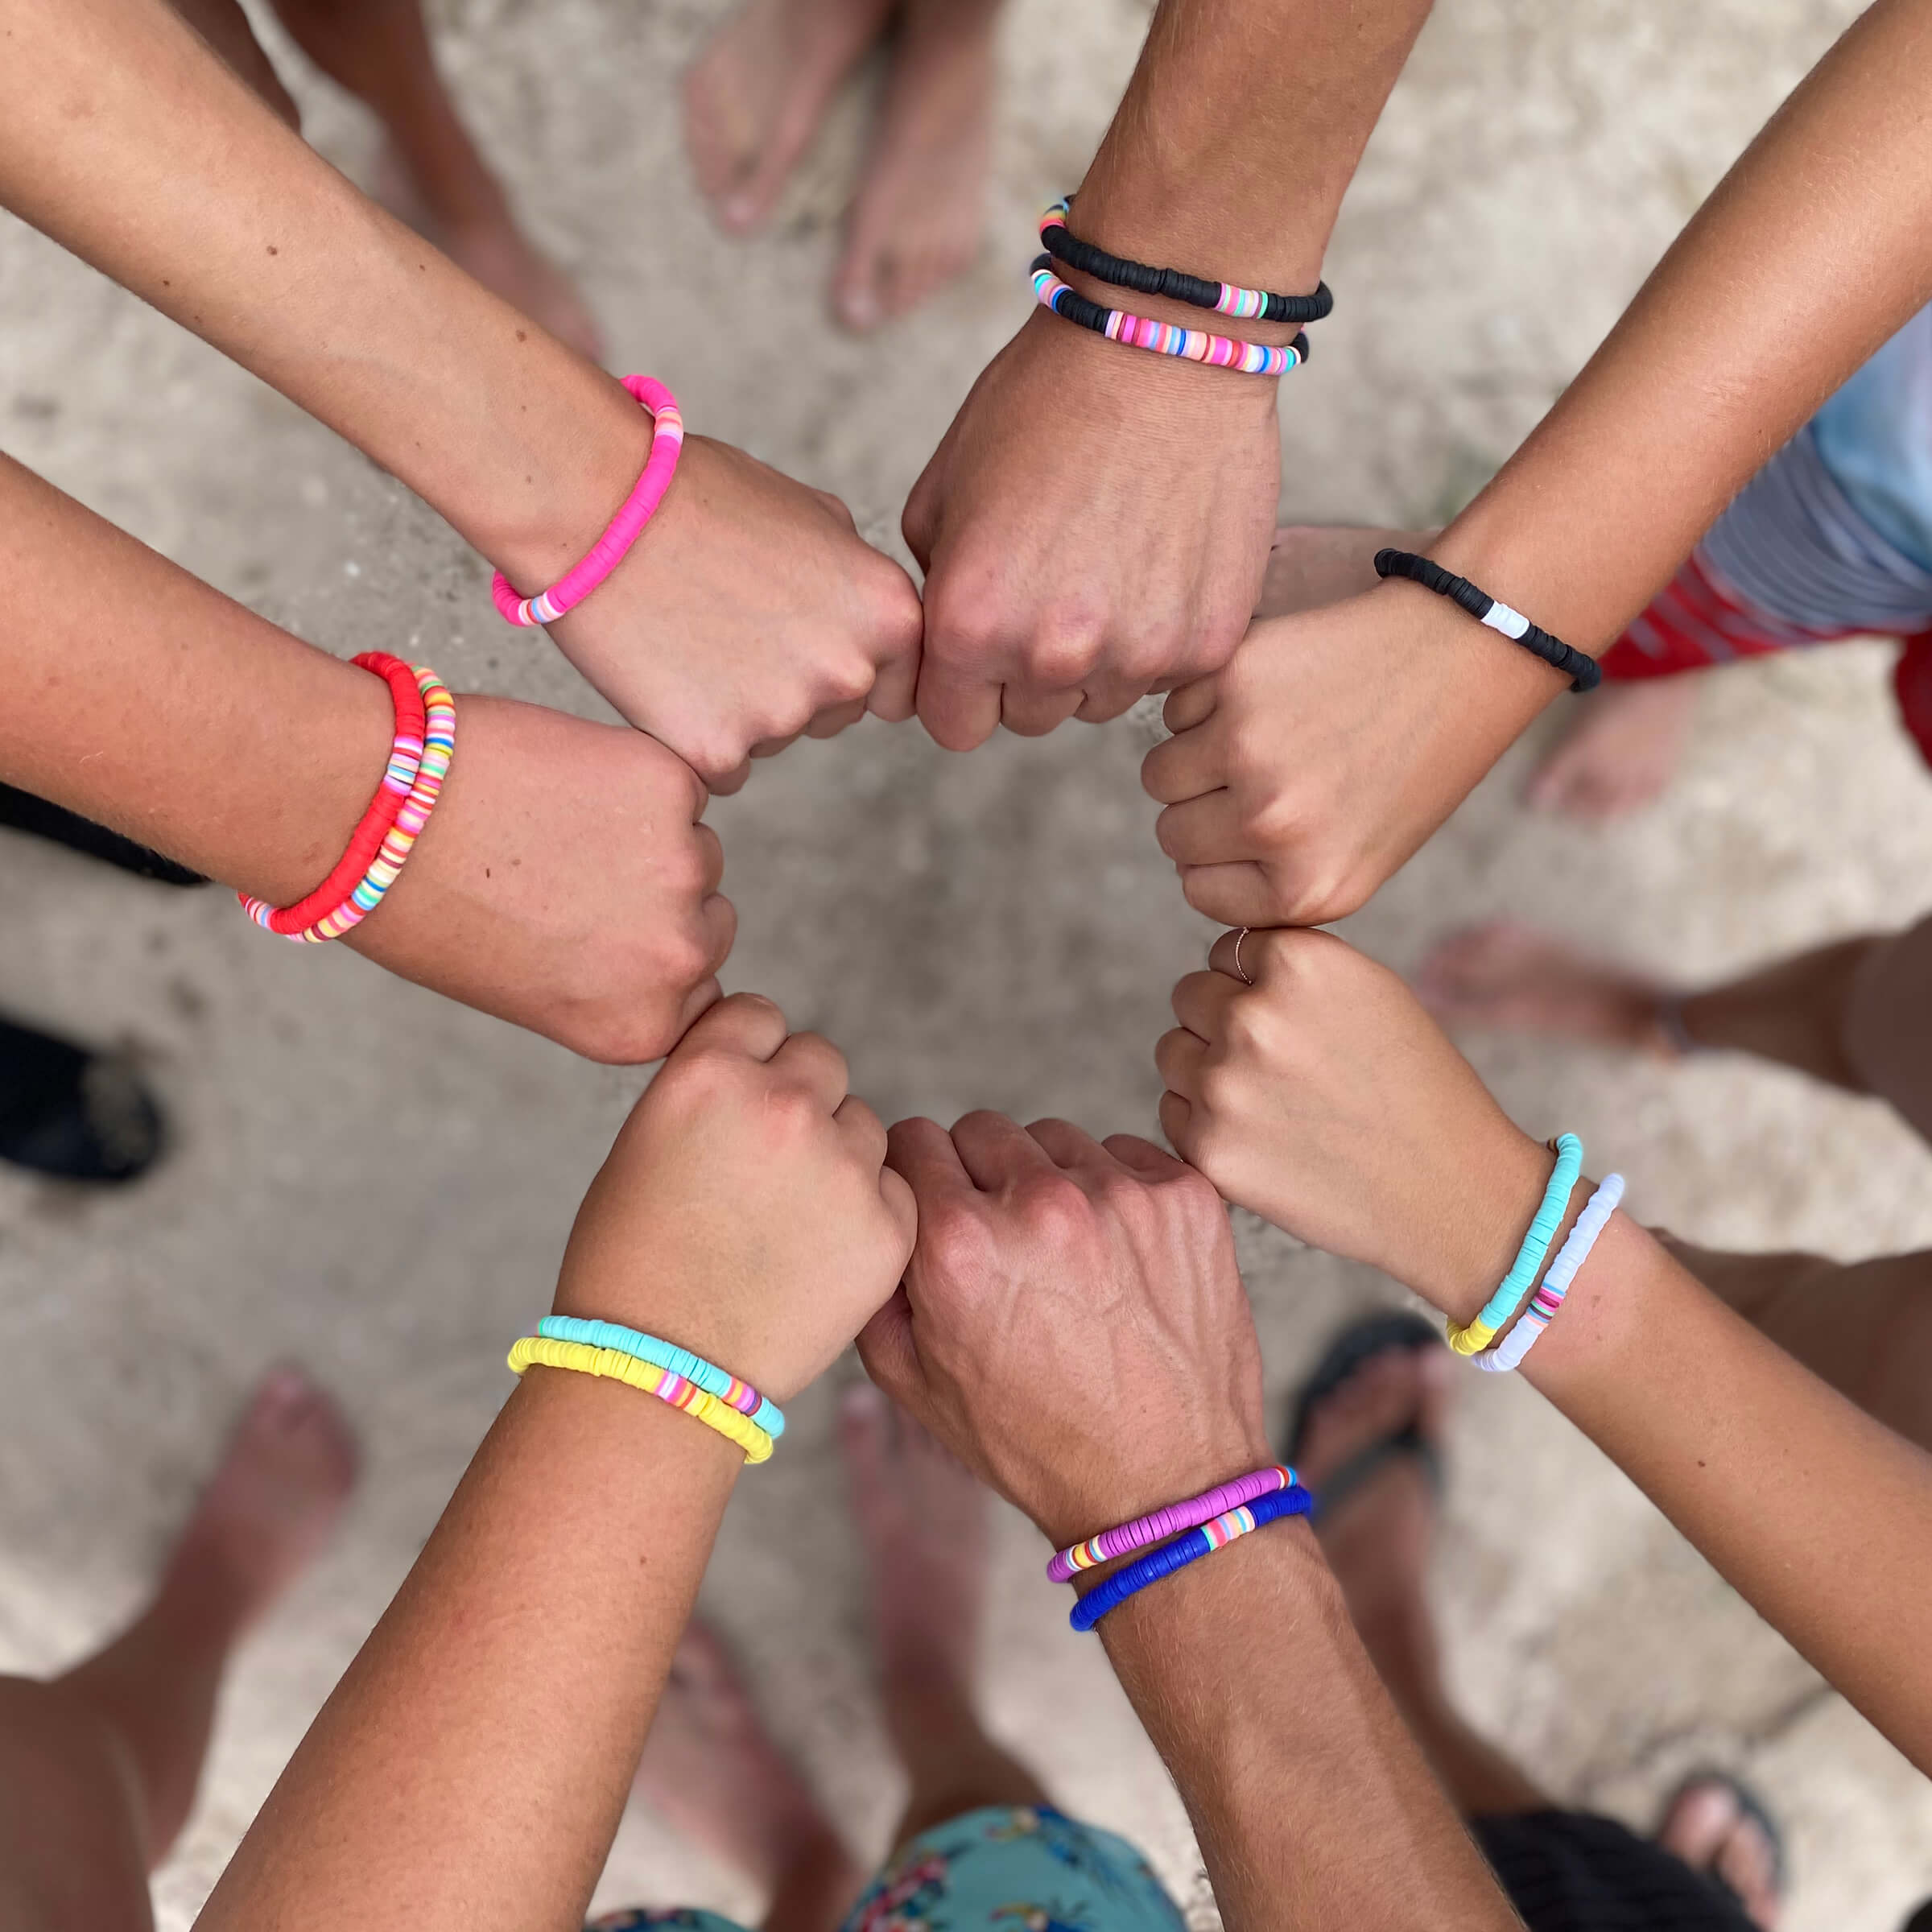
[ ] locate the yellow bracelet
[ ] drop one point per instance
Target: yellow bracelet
(616, 1366)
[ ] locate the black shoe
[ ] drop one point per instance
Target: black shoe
(80, 1116)
(24, 812)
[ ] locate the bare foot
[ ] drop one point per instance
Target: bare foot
(482, 238)
(290, 1467)
(1709, 1830)
(1621, 754)
(1377, 1537)
(1312, 564)
(758, 92)
(921, 209)
(710, 1767)
(1513, 977)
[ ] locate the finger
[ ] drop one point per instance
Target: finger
(895, 691)
(769, 747)
(1105, 698)
(885, 1347)
(902, 1204)
(1032, 714)
(995, 1152)
(727, 782)
(1176, 1117)
(1142, 1158)
(958, 713)
(717, 927)
(1201, 1000)
(1068, 1145)
(1238, 894)
(864, 1131)
(836, 718)
(922, 1151)
(700, 999)
(1256, 953)
(746, 1024)
(1177, 1054)
(1210, 830)
(811, 1061)
(1185, 767)
(1191, 704)
(713, 849)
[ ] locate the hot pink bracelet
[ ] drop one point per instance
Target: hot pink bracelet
(667, 438)
(1171, 1521)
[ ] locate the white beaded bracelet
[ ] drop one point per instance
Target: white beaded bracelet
(1508, 1353)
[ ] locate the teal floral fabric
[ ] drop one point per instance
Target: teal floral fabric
(1012, 1869)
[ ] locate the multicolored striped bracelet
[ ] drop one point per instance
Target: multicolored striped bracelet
(1508, 1354)
(1225, 298)
(1163, 338)
(430, 766)
(1067, 1564)
(640, 506)
(613, 1364)
(1185, 1550)
(1472, 1338)
(708, 1376)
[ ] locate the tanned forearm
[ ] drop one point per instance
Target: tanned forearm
(469, 1772)
(1311, 1802)
(130, 142)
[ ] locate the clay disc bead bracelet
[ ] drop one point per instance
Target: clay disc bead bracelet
(1176, 1517)
(1583, 673)
(640, 506)
(1162, 338)
(1225, 298)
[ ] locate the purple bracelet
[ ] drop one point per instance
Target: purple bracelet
(1171, 1521)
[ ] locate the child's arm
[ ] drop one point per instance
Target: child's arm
(469, 1772)
(748, 610)
(562, 882)
(1324, 1098)
(1335, 742)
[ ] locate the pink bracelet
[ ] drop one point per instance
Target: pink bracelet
(1169, 1521)
(570, 589)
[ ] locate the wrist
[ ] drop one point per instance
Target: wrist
(1158, 398)
(1106, 1496)
(1478, 1244)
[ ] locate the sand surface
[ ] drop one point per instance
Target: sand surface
(997, 930)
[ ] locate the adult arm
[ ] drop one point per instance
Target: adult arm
(1074, 1327)
(1096, 521)
(1336, 741)
(1325, 1098)
(748, 612)
(563, 881)
(469, 1774)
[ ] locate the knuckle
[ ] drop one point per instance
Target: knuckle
(956, 1239)
(1053, 1208)
(1063, 654)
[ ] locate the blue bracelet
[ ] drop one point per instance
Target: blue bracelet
(669, 1357)
(1472, 1337)
(1185, 1549)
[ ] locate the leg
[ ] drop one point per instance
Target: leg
(379, 51)
(99, 1767)
(922, 1519)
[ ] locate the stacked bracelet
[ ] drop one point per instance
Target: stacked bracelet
(1508, 1353)
(1163, 338)
(1185, 1550)
(424, 742)
(1472, 1337)
(707, 1376)
(667, 439)
(1227, 298)
(1143, 1530)
(1583, 673)
(616, 1365)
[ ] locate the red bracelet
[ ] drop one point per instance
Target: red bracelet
(405, 758)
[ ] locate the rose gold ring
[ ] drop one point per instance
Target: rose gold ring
(1239, 938)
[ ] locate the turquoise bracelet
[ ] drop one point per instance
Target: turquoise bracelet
(1472, 1337)
(668, 1356)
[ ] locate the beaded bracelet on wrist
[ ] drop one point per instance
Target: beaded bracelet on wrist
(1225, 298)
(1162, 338)
(1584, 673)
(1508, 1354)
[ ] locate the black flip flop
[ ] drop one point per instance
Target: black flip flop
(76, 1115)
(1750, 1806)
(1351, 1350)
(23, 812)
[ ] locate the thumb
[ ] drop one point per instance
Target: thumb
(891, 1356)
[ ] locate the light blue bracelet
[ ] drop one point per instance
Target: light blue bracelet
(675, 1360)
(1477, 1336)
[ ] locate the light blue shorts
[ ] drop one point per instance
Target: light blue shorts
(1016, 1869)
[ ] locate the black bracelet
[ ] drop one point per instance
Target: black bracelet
(1584, 673)
(1226, 297)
